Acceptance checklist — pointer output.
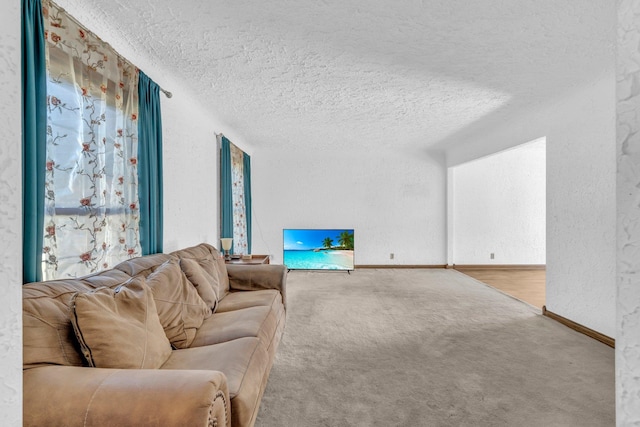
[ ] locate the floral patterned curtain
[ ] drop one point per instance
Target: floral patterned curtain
(91, 206)
(238, 200)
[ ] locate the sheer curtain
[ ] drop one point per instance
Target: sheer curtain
(246, 172)
(91, 178)
(239, 209)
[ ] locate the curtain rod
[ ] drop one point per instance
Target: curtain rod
(166, 93)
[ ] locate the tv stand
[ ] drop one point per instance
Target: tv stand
(254, 260)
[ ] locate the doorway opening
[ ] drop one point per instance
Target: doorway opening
(496, 215)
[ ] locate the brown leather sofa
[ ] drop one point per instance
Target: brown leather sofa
(203, 360)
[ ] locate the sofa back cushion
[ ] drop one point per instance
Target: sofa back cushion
(203, 276)
(120, 328)
(48, 337)
(180, 308)
(219, 268)
(142, 265)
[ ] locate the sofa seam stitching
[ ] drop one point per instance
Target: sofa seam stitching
(86, 415)
(246, 368)
(265, 320)
(276, 330)
(146, 331)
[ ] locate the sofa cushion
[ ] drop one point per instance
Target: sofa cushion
(245, 299)
(48, 337)
(205, 250)
(120, 328)
(223, 276)
(180, 308)
(246, 365)
(107, 278)
(144, 265)
(203, 276)
(260, 322)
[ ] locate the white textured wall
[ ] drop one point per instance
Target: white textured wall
(628, 184)
(10, 218)
(395, 201)
(191, 197)
(499, 207)
(581, 200)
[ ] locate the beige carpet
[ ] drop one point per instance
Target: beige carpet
(429, 348)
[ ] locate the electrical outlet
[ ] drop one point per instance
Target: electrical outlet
(391, 255)
(492, 256)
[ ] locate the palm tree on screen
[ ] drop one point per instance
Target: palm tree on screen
(345, 239)
(327, 242)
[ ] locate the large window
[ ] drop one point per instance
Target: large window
(91, 217)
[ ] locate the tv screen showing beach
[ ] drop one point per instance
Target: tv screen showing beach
(318, 249)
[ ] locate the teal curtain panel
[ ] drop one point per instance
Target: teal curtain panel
(235, 195)
(246, 160)
(34, 133)
(226, 194)
(150, 166)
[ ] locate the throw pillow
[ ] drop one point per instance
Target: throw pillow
(202, 273)
(180, 308)
(120, 328)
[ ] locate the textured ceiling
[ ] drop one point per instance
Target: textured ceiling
(360, 73)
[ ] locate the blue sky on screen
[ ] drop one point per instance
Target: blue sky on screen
(310, 239)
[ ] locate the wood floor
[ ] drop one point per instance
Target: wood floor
(526, 285)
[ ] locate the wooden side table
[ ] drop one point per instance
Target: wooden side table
(255, 260)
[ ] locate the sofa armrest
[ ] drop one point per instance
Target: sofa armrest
(257, 277)
(75, 396)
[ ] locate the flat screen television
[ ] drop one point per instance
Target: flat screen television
(318, 249)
